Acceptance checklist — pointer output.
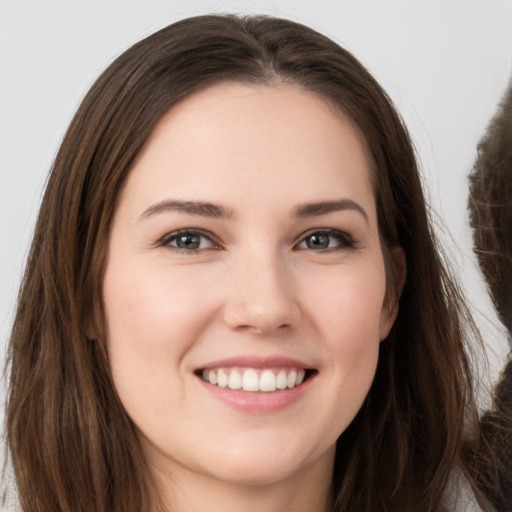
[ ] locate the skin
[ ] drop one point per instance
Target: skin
(255, 286)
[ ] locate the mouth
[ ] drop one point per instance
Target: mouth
(256, 380)
(257, 385)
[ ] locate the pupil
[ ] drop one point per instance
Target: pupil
(188, 242)
(318, 241)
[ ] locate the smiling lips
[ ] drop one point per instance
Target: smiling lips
(255, 379)
(255, 384)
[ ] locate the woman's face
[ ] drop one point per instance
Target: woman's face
(245, 252)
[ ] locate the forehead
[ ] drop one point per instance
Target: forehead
(277, 140)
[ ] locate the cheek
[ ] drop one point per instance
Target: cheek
(346, 311)
(153, 319)
(151, 307)
(346, 307)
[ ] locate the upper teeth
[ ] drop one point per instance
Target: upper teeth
(251, 379)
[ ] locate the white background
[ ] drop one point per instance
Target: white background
(445, 63)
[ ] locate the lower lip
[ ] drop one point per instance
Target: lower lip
(258, 402)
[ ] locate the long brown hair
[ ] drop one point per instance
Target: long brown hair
(73, 446)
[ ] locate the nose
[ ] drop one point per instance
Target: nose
(262, 299)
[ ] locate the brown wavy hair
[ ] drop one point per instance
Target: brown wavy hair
(490, 208)
(73, 446)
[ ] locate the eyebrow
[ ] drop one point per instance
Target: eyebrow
(207, 209)
(325, 207)
(203, 208)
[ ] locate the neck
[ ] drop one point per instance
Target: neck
(308, 490)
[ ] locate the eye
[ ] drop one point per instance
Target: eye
(327, 239)
(189, 241)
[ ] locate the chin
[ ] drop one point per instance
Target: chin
(256, 473)
(264, 464)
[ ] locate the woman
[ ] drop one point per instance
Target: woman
(210, 313)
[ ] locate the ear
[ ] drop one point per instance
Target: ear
(90, 326)
(389, 310)
(90, 331)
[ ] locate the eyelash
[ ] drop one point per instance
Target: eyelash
(168, 239)
(344, 240)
